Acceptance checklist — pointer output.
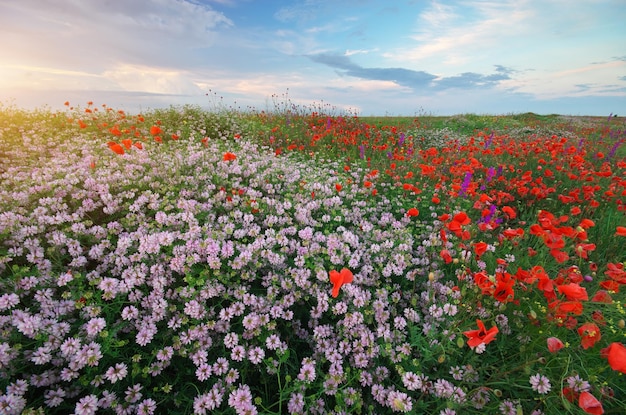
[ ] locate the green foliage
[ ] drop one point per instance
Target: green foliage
(208, 252)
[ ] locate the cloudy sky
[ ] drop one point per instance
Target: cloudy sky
(379, 57)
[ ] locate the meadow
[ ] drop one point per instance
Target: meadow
(304, 261)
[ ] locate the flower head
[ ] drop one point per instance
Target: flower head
(480, 336)
(115, 147)
(554, 344)
(540, 384)
(229, 156)
(590, 335)
(616, 355)
(590, 404)
(339, 278)
(412, 212)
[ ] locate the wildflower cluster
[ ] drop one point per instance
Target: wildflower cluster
(309, 264)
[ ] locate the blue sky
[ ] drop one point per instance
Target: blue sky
(369, 57)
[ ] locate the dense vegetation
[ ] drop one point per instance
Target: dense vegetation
(296, 261)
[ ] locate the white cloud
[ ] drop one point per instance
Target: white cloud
(152, 80)
(90, 33)
(596, 79)
(350, 52)
(462, 34)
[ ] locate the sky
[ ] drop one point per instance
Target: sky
(377, 57)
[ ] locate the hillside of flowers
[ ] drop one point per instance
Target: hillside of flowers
(300, 262)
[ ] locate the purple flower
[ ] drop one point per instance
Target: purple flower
(399, 401)
(296, 403)
(146, 407)
(614, 148)
(54, 397)
(203, 372)
(238, 353)
(540, 384)
(117, 372)
(489, 140)
(241, 400)
(95, 326)
(87, 405)
(466, 182)
(256, 355)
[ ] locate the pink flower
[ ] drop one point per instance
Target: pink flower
(554, 344)
(590, 404)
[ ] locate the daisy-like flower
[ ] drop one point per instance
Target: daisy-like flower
(87, 405)
(256, 355)
(146, 407)
(411, 381)
(95, 326)
(399, 401)
(540, 384)
(117, 372)
(238, 353)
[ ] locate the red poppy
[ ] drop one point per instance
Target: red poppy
(609, 285)
(616, 354)
(590, 335)
(482, 281)
(115, 147)
(583, 248)
(115, 130)
(445, 255)
(553, 241)
(586, 223)
(127, 142)
(338, 187)
(504, 288)
(554, 344)
(229, 156)
(620, 231)
(616, 272)
(590, 404)
(509, 212)
(559, 256)
(412, 212)
(573, 291)
(155, 130)
(601, 296)
(339, 278)
(480, 248)
(512, 233)
(462, 218)
(480, 336)
(569, 394)
(573, 307)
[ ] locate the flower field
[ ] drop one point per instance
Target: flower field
(296, 262)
